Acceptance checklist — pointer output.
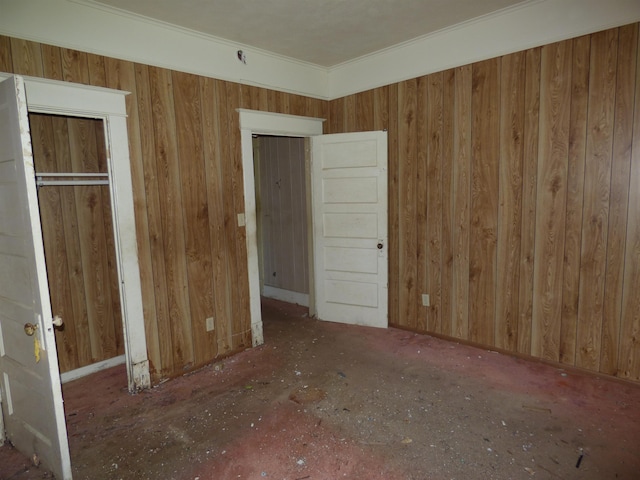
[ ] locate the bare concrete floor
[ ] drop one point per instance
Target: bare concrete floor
(323, 401)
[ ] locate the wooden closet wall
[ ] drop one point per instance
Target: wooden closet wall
(77, 230)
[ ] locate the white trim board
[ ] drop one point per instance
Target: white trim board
(89, 27)
(93, 368)
(285, 295)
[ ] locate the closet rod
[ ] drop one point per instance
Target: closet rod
(72, 174)
(44, 183)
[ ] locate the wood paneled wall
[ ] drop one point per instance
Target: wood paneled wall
(282, 213)
(184, 144)
(514, 200)
(78, 237)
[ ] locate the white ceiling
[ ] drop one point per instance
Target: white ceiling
(320, 32)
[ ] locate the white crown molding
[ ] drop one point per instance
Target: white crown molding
(527, 25)
(87, 26)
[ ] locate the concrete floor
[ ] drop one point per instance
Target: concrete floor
(328, 401)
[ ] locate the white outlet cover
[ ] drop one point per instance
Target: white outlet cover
(425, 299)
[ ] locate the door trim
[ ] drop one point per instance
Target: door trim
(263, 123)
(75, 100)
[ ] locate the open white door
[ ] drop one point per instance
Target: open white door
(349, 208)
(32, 409)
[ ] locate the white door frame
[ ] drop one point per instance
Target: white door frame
(263, 123)
(75, 100)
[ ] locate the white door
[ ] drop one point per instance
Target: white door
(32, 409)
(349, 209)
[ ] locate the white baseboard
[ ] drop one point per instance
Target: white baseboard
(93, 368)
(286, 295)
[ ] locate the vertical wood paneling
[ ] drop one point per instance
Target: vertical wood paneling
(422, 192)
(448, 227)
(27, 57)
(6, 62)
(629, 360)
(553, 144)
(225, 343)
(194, 208)
(407, 173)
(512, 107)
(597, 184)
(394, 208)
(213, 174)
(619, 199)
(558, 245)
(485, 148)
(52, 62)
(241, 299)
(529, 193)
(434, 203)
(72, 245)
(461, 201)
(170, 196)
(575, 198)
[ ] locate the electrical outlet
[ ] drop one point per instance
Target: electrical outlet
(210, 324)
(425, 300)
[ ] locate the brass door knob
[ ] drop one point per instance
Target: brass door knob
(30, 329)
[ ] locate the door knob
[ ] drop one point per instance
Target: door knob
(30, 329)
(380, 245)
(57, 321)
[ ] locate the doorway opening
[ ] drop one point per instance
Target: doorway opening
(264, 123)
(72, 180)
(282, 209)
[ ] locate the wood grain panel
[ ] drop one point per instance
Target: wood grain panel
(448, 196)
(407, 173)
(52, 62)
(26, 57)
(629, 359)
(422, 192)
(512, 111)
(170, 196)
(225, 341)
(75, 66)
(199, 267)
(434, 179)
(553, 144)
(394, 207)
(461, 201)
(619, 199)
(6, 62)
(597, 184)
(529, 194)
(213, 173)
(575, 198)
(241, 298)
(485, 148)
